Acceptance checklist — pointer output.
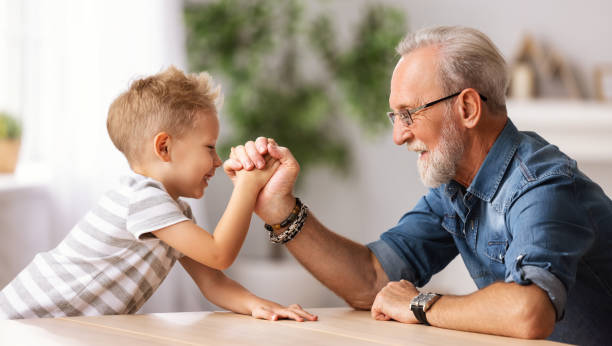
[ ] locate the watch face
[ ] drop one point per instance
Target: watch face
(429, 300)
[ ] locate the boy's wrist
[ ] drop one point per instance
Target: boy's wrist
(246, 185)
(253, 302)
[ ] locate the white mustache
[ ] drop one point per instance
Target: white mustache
(417, 146)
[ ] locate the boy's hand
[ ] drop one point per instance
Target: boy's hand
(258, 177)
(273, 312)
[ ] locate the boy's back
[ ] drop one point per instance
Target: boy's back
(110, 263)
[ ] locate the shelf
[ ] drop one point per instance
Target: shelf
(581, 129)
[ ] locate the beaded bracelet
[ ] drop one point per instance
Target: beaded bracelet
(288, 220)
(292, 230)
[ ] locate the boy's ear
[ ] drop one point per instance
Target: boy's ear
(161, 144)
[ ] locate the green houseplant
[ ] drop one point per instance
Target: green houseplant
(257, 47)
(10, 141)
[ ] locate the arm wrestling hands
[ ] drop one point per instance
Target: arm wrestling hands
(275, 201)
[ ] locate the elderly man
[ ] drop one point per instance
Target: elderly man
(534, 232)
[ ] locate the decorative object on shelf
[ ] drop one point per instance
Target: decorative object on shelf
(522, 84)
(10, 142)
(603, 82)
(257, 50)
(539, 72)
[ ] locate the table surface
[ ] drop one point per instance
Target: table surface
(336, 326)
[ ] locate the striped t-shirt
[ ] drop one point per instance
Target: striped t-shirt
(110, 262)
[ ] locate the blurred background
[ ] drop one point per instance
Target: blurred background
(312, 74)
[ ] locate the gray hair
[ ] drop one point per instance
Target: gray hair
(469, 59)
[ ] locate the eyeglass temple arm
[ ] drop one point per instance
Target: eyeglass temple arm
(482, 97)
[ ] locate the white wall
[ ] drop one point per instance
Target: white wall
(579, 30)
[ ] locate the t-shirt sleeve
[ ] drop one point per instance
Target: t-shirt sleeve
(151, 208)
(417, 247)
(551, 232)
(187, 210)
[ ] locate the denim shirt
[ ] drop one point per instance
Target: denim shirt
(529, 216)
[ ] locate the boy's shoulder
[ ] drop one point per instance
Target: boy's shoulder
(135, 182)
(142, 190)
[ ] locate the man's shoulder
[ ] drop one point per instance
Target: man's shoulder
(536, 159)
(536, 163)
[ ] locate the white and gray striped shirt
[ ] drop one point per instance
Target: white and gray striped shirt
(110, 262)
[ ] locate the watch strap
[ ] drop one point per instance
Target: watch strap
(418, 312)
(421, 303)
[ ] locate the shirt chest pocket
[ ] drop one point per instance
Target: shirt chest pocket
(495, 249)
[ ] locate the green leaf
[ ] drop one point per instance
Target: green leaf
(10, 128)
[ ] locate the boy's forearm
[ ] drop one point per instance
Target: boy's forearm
(234, 224)
(218, 288)
(230, 295)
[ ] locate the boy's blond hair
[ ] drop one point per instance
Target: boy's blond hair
(169, 101)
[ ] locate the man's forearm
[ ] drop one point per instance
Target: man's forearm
(502, 309)
(346, 267)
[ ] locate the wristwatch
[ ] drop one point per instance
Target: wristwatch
(421, 303)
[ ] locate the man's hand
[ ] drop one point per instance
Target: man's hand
(275, 200)
(393, 302)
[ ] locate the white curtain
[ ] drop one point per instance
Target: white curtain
(62, 63)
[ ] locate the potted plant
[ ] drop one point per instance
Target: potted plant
(10, 141)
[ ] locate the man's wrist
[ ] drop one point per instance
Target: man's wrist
(281, 209)
(421, 304)
(293, 224)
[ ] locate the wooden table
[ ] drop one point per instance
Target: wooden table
(336, 326)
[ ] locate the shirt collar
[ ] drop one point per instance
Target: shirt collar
(492, 170)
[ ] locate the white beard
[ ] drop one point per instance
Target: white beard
(440, 166)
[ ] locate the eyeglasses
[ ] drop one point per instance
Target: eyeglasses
(406, 114)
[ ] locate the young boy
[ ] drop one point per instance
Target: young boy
(115, 258)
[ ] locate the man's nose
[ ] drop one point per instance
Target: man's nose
(401, 132)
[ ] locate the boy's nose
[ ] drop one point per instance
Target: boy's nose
(217, 160)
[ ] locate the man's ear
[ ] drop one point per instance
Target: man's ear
(161, 144)
(470, 107)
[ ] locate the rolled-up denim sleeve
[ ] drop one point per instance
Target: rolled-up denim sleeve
(551, 231)
(417, 247)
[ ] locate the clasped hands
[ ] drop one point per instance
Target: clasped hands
(275, 200)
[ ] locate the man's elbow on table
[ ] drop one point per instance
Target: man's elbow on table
(362, 299)
(535, 315)
(360, 303)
